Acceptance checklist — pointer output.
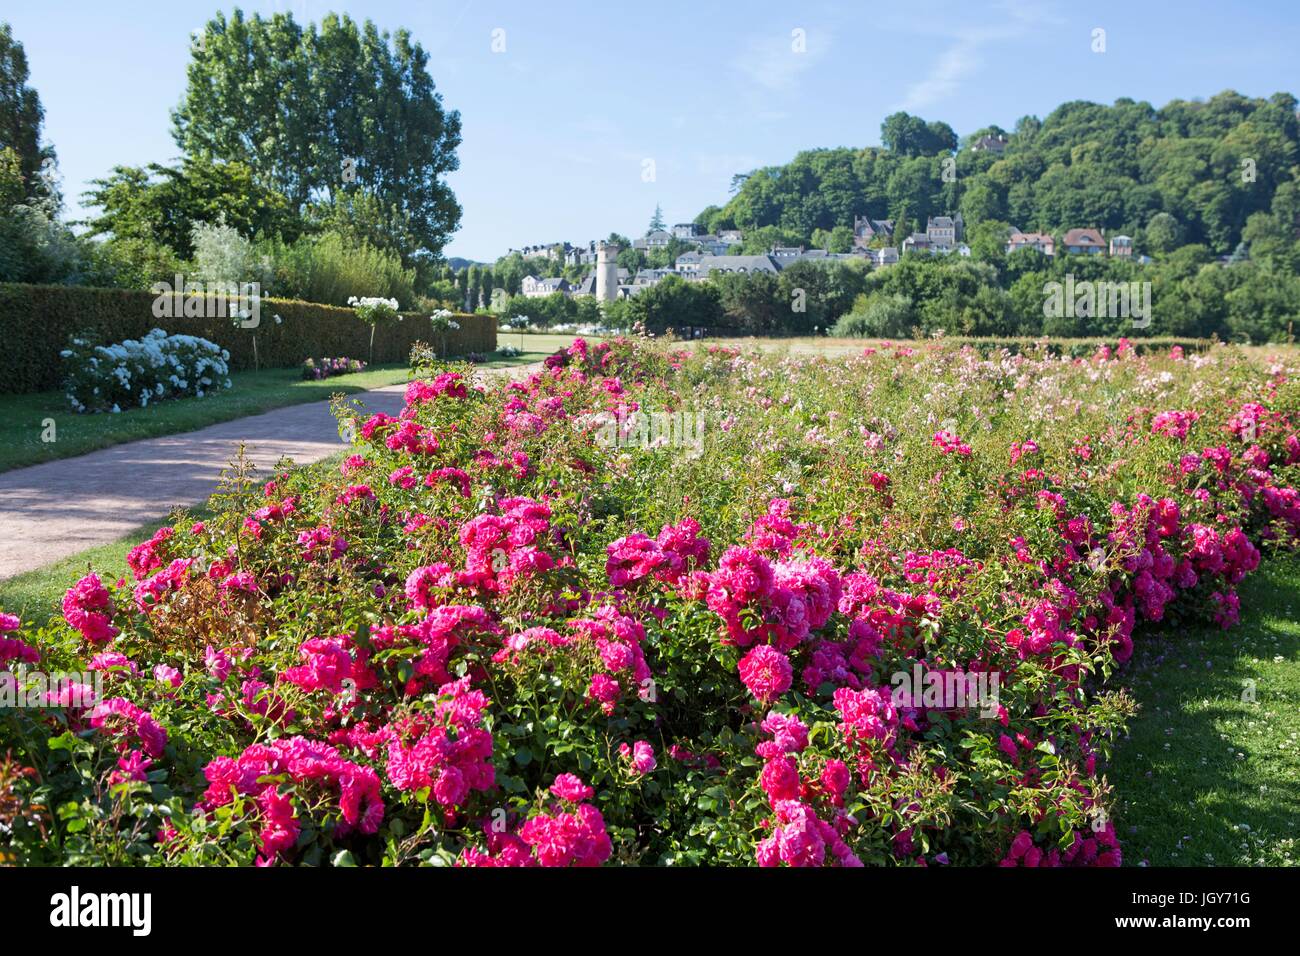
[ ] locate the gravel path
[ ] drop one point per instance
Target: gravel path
(58, 509)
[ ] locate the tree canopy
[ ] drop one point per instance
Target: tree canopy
(1189, 172)
(21, 115)
(324, 111)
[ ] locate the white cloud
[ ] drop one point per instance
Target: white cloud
(966, 52)
(771, 61)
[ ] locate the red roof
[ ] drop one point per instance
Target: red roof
(1083, 237)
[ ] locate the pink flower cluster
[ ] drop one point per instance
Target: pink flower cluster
(449, 754)
(119, 717)
(420, 391)
(635, 557)
(501, 548)
(88, 608)
(303, 762)
(568, 833)
(799, 836)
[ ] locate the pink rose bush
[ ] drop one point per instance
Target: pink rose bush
(490, 639)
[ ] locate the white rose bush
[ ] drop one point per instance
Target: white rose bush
(137, 373)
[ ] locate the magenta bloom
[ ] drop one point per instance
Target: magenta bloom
(570, 787)
(766, 672)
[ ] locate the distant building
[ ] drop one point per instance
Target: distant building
(1041, 241)
(606, 272)
(743, 264)
(1087, 242)
(685, 230)
(886, 256)
(555, 251)
(1121, 246)
(651, 276)
(942, 231)
(990, 144)
(688, 263)
(916, 242)
(588, 285)
(653, 240)
(534, 288)
(584, 255)
(865, 230)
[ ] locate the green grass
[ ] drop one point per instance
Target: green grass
(1205, 777)
(538, 345)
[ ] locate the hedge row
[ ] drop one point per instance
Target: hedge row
(36, 322)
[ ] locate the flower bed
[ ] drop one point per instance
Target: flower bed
(877, 619)
(136, 373)
(317, 369)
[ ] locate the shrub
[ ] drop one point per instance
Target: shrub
(36, 322)
(315, 370)
(136, 373)
(877, 316)
(223, 255)
(330, 269)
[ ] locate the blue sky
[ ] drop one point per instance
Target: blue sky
(558, 127)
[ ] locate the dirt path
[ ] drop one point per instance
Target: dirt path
(55, 510)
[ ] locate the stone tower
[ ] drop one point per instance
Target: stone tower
(606, 272)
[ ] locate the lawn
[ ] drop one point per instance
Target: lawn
(1207, 776)
(23, 418)
(538, 345)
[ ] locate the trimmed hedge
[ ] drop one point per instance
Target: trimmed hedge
(36, 322)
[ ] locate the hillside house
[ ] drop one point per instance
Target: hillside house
(1041, 241)
(944, 232)
(1084, 242)
(916, 242)
(990, 144)
(865, 230)
(534, 288)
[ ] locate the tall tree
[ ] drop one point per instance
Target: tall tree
(321, 112)
(656, 221)
(162, 203)
(21, 115)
